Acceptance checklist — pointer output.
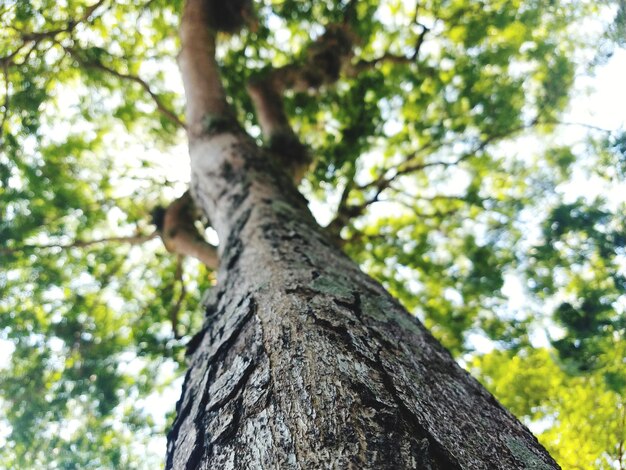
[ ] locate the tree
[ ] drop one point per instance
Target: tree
(302, 360)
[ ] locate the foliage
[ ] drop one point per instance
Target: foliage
(437, 160)
(579, 419)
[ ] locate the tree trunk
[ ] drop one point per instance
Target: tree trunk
(305, 362)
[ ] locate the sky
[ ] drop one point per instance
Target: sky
(599, 101)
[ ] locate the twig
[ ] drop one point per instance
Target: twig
(353, 70)
(410, 165)
(130, 240)
(90, 10)
(578, 124)
(420, 41)
(36, 37)
(133, 78)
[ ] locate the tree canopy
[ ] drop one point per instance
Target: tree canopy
(438, 159)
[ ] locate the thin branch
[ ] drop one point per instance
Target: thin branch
(90, 10)
(578, 124)
(130, 240)
(435, 213)
(419, 42)
(343, 200)
(36, 37)
(27, 55)
(411, 165)
(335, 226)
(431, 199)
(8, 59)
(144, 8)
(353, 70)
(157, 100)
(133, 78)
(324, 60)
(359, 235)
(345, 211)
(416, 12)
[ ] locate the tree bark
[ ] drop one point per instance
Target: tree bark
(304, 362)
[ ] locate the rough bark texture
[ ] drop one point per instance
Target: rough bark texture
(305, 362)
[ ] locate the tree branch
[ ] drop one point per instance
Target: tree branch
(204, 92)
(8, 59)
(133, 78)
(353, 70)
(419, 42)
(578, 124)
(137, 239)
(180, 235)
(37, 37)
(91, 10)
(279, 136)
(412, 164)
(325, 57)
(175, 227)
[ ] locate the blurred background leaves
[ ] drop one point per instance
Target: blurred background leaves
(445, 164)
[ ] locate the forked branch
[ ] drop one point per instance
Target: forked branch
(324, 59)
(412, 164)
(34, 38)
